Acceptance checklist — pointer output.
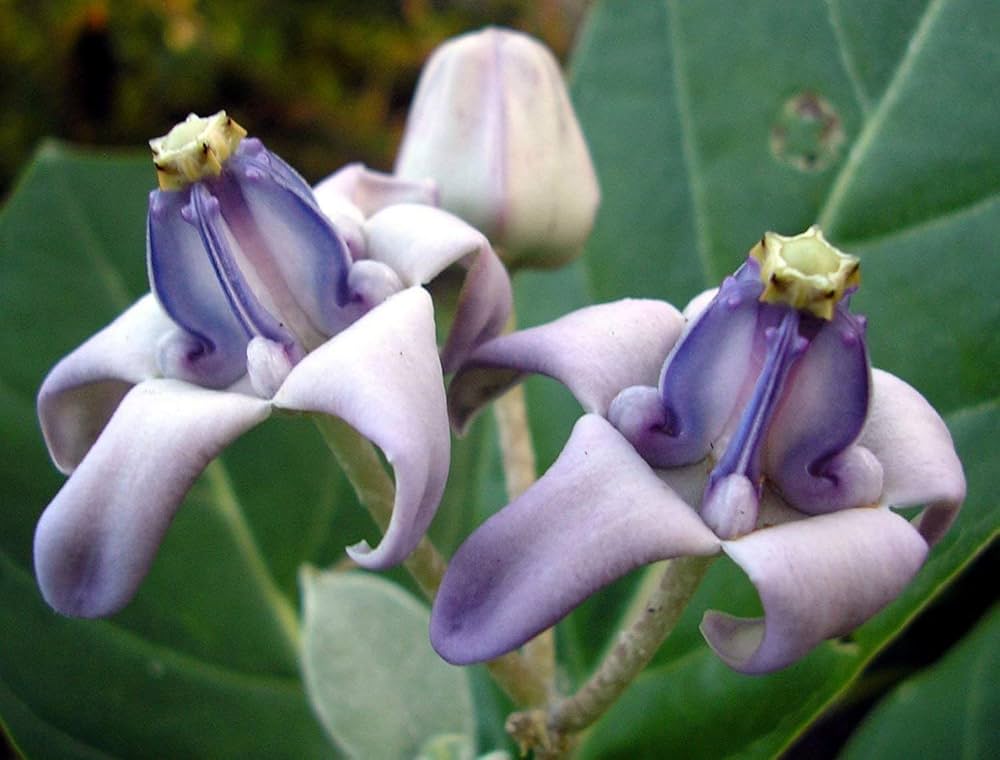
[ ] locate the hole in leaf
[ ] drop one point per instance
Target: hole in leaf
(807, 133)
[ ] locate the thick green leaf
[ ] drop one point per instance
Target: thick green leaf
(947, 711)
(370, 672)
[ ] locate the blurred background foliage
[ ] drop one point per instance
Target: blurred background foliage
(327, 81)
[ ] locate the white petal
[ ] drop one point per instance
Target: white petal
(97, 539)
(382, 376)
(919, 462)
(83, 390)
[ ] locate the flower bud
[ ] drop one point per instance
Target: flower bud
(492, 124)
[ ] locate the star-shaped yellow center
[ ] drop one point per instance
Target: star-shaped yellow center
(194, 149)
(805, 272)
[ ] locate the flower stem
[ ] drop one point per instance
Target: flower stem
(551, 732)
(520, 470)
(376, 492)
(516, 449)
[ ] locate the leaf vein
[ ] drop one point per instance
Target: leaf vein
(850, 65)
(827, 216)
(955, 215)
(689, 150)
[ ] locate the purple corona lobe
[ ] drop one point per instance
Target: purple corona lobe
(243, 255)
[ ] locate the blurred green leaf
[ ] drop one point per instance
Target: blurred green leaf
(370, 672)
(947, 711)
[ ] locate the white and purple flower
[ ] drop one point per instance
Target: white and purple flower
(264, 296)
(768, 438)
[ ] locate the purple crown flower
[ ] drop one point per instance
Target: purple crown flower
(264, 297)
(752, 425)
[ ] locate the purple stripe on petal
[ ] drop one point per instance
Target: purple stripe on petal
(784, 346)
(919, 462)
(596, 352)
(598, 513)
(809, 454)
(188, 287)
(97, 539)
(817, 578)
(228, 251)
(706, 372)
(383, 377)
(297, 254)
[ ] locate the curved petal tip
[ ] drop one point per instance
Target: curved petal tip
(83, 390)
(598, 513)
(817, 578)
(629, 338)
(382, 376)
(918, 458)
(97, 538)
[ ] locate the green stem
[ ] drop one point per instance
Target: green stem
(520, 471)
(551, 732)
(376, 492)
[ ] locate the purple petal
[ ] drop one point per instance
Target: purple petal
(232, 243)
(419, 243)
(808, 453)
(919, 462)
(209, 348)
(355, 192)
(705, 374)
(699, 303)
(817, 578)
(598, 513)
(83, 390)
(382, 376)
(97, 539)
(293, 248)
(731, 505)
(595, 352)
(268, 364)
